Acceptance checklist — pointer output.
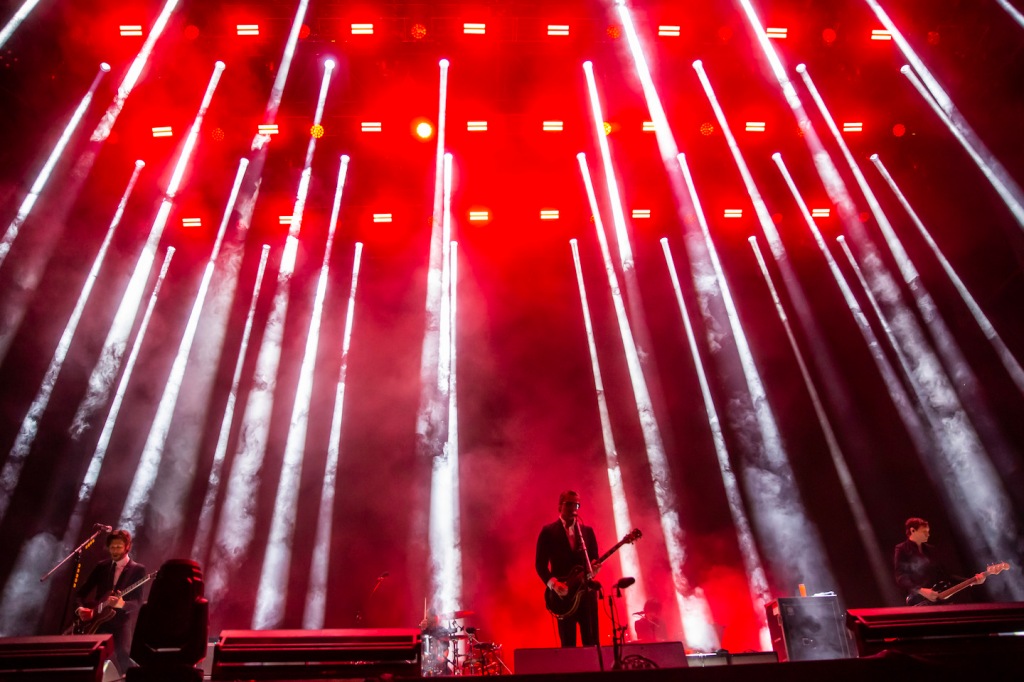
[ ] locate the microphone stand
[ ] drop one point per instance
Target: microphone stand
(590, 586)
(618, 631)
(75, 554)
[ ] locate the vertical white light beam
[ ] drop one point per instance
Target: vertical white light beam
(238, 514)
(754, 568)
(273, 585)
(44, 175)
(695, 613)
(445, 557)
(92, 474)
(284, 69)
(636, 597)
(430, 420)
(1005, 4)
(980, 504)
(200, 545)
(614, 197)
(15, 21)
(107, 366)
(1013, 367)
(782, 518)
(316, 596)
(30, 425)
(824, 358)
(933, 93)
(153, 450)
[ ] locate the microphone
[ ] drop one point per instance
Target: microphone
(624, 583)
(100, 526)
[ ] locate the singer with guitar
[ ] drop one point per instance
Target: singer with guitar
(918, 571)
(100, 596)
(563, 545)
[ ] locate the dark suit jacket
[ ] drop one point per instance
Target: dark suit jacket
(917, 567)
(555, 556)
(99, 584)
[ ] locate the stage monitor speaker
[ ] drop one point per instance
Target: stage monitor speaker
(584, 659)
(74, 658)
(807, 628)
(939, 630)
(316, 654)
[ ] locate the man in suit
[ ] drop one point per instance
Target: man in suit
(562, 545)
(104, 583)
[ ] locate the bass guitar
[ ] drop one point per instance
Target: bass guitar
(103, 612)
(563, 607)
(944, 594)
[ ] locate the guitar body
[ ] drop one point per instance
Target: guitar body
(89, 627)
(564, 607)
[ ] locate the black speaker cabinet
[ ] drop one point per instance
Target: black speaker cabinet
(940, 630)
(76, 658)
(807, 628)
(316, 654)
(584, 659)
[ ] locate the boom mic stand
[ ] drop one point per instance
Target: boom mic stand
(618, 631)
(75, 554)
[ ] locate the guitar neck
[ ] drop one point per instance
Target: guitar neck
(134, 586)
(613, 550)
(946, 594)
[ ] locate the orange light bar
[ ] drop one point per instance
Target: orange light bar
(777, 33)
(755, 126)
(130, 30)
(668, 31)
(880, 34)
(284, 220)
(370, 126)
(474, 29)
(382, 217)
(641, 213)
(267, 129)
(549, 214)
(821, 212)
(553, 126)
(558, 29)
(733, 213)
(479, 216)
(853, 127)
(162, 131)
(362, 29)
(649, 126)
(476, 126)
(247, 29)
(191, 222)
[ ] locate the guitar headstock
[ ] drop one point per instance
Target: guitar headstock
(632, 536)
(995, 569)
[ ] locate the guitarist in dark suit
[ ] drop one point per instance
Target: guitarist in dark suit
(918, 571)
(106, 579)
(561, 546)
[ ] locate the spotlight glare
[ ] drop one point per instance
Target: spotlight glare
(329, 64)
(443, 63)
(424, 130)
(105, 67)
(140, 164)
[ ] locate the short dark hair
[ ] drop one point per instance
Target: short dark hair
(564, 497)
(912, 524)
(120, 534)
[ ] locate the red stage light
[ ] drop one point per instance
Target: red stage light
(614, 32)
(418, 31)
(191, 32)
(934, 38)
(828, 36)
(899, 130)
(304, 31)
(217, 134)
(707, 129)
(317, 131)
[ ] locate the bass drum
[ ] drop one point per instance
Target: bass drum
(435, 656)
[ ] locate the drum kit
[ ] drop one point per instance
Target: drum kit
(455, 649)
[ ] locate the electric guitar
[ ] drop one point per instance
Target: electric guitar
(103, 612)
(563, 607)
(918, 600)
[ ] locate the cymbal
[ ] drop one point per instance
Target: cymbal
(455, 615)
